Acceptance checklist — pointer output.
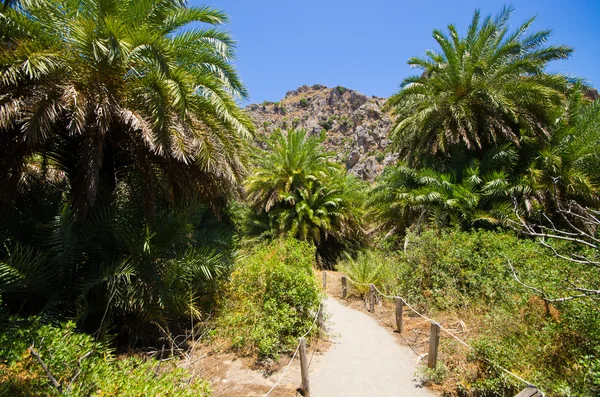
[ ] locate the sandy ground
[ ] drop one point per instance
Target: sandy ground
(364, 360)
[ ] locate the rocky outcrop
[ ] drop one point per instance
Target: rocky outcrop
(354, 126)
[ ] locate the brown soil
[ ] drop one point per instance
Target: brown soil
(232, 375)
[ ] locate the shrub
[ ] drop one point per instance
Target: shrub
(82, 366)
(304, 102)
(326, 124)
(271, 298)
(467, 273)
(371, 267)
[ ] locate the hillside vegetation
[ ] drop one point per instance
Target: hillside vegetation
(144, 209)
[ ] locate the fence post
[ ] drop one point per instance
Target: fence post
(530, 391)
(372, 298)
(320, 320)
(324, 279)
(399, 322)
(304, 368)
(344, 287)
(434, 341)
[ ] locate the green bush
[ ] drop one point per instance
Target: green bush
(82, 366)
(467, 275)
(371, 267)
(271, 298)
(326, 124)
(552, 345)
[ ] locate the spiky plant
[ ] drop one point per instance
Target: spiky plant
(101, 88)
(566, 169)
(112, 271)
(483, 89)
(297, 189)
(478, 196)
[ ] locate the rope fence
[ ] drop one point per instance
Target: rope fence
(301, 345)
(530, 391)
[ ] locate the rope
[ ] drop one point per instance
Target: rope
(443, 329)
(284, 371)
(295, 353)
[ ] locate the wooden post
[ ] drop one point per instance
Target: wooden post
(530, 391)
(304, 368)
(320, 321)
(324, 279)
(434, 341)
(372, 298)
(344, 287)
(399, 306)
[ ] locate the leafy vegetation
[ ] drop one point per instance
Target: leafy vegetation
(481, 90)
(298, 190)
(80, 366)
(271, 299)
(124, 156)
(94, 101)
(468, 275)
(114, 268)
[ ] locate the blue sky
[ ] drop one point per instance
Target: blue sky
(364, 45)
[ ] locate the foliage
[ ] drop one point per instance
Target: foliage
(566, 170)
(467, 275)
(405, 196)
(271, 298)
(484, 89)
(326, 124)
(100, 89)
(298, 190)
(370, 267)
(81, 366)
(482, 192)
(433, 375)
(114, 270)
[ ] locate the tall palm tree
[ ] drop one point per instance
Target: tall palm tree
(291, 161)
(297, 189)
(102, 89)
(483, 89)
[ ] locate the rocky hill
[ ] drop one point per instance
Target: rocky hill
(354, 125)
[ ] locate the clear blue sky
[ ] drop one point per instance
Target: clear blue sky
(364, 45)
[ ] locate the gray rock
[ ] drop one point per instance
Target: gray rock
(390, 159)
(353, 158)
(334, 97)
(361, 134)
(357, 99)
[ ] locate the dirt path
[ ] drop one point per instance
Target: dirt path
(364, 360)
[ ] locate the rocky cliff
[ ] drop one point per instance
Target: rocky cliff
(354, 125)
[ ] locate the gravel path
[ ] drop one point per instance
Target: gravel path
(364, 360)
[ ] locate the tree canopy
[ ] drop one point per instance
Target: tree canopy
(479, 90)
(100, 89)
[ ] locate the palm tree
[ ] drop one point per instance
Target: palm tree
(477, 196)
(290, 162)
(102, 90)
(483, 89)
(565, 170)
(297, 189)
